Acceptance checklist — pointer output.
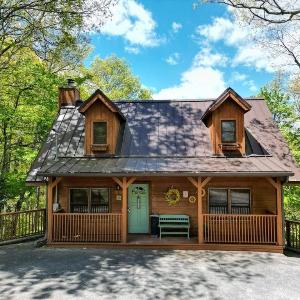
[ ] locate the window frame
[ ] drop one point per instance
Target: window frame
(93, 132)
(229, 201)
(235, 131)
(90, 198)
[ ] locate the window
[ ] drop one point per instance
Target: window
(79, 200)
(234, 201)
(228, 131)
(90, 200)
(99, 133)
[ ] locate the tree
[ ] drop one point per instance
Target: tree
(115, 78)
(285, 114)
(52, 29)
(274, 24)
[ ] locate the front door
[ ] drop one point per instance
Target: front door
(138, 208)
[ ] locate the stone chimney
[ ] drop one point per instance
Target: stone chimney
(68, 95)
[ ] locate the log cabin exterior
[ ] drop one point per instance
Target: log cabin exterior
(109, 165)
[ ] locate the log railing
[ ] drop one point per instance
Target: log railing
(241, 229)
(86, 227)
(292, 230)
(22, 224)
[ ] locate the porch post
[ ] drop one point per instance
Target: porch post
(49, 209)
(200, 211)
(124, 209)
(279, 213)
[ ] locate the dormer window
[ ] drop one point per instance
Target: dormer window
(100, 133)
(228, 131)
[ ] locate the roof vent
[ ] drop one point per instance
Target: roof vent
(71, 82)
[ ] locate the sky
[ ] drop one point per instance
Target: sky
(183, 53)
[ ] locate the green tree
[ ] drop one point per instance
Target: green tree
(115, 78)
(287, 118)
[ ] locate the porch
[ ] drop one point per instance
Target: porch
(212, 227)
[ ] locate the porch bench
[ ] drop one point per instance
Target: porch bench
(167, 224)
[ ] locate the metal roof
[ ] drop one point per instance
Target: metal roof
(165, 133)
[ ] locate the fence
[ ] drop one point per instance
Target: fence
(21, 224)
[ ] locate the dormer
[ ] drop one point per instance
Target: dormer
(225, 120)
(103, 121)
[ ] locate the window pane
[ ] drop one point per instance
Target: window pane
(240, 201)
(100, 133)
(79, 200)
(218, 201)
(228, 131)
(99, 200)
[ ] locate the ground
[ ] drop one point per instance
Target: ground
(59, 273)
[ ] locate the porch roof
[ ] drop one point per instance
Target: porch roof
(168, 166)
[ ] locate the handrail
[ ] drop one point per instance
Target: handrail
(86, 227)
(240, 229)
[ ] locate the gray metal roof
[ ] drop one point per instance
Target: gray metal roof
(165, 133)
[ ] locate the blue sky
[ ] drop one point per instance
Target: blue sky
(181, 52)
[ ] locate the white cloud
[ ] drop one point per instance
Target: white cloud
(173, 59)
(206, 58)
(251, 86)
(176, 27)
(236, 76)
(133, 22)
(197, 82)
(133, 50)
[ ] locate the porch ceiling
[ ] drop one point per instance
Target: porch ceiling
(168, 166)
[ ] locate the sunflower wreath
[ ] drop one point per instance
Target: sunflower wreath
(172, 196)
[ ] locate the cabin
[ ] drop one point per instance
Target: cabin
(178, 174)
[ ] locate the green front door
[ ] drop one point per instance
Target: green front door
(138, 208)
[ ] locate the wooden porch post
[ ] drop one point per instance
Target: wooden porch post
(124, 209)
(124, 184)
(199, 184)
(49, 209)
(279, 213)
(200, 211)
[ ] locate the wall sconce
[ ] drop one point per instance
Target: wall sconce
(117, 187)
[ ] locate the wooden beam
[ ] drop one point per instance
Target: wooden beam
(279, 213)
(118, 181)
(56, 181)
(205, 182)
(124, 209)
(200, 211)
(272, 181)
(49, 209)
(193, 181)
(131, 181)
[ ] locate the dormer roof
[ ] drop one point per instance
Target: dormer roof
(229, 93)
(98, 95)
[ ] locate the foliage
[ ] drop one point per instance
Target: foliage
(52, 29)
(115, 78)
(286, 115)
(273, 24)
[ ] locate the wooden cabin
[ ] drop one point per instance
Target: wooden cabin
(207, 174)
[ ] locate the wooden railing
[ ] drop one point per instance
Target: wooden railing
(21, 224)
(292, 233)
(86, 227)
(242, 229)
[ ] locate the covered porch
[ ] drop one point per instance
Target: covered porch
(211, 226)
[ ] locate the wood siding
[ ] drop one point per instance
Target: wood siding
(99, 112)
(229, 110)
(263, 194)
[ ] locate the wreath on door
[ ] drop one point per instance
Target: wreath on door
(172, 196)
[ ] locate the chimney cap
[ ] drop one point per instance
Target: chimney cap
(71, 82)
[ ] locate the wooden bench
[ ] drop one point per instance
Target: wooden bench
(169, 224)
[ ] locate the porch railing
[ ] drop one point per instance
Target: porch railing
(242, 229)
(22, 224)
(86, 227)
(292, 231)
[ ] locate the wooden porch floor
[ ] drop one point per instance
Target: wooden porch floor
(147, 239)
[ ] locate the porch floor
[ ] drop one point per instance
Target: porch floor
(142, 239)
